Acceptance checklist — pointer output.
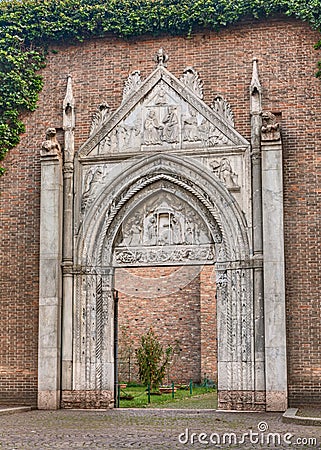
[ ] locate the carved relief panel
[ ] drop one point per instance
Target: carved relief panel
(161, 113)
(164, 229)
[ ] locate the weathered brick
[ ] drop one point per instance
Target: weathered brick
(99, 67)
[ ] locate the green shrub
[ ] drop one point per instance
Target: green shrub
(152, 360)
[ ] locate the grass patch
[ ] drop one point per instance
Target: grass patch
(202, 397)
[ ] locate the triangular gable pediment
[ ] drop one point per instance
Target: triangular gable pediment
(160, 113)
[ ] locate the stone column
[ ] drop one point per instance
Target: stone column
(67, 322)
(107, 332)
(50, 273)
(274, 278)
(208, 323)
(256, 123)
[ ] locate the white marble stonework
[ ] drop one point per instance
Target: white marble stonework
(165, 179)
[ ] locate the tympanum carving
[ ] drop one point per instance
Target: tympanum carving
(163, 221)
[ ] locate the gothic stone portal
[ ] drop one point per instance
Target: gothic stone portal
(165, 180)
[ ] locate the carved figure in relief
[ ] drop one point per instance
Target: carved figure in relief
(93, 176)
(150, 231)
(164, 231)
(192, 235)
(223, 170)
(122, 135)
(190, 131)
(152, 129)
(51, 145)
(114, 139)
(170, 128)
(136, 231)
(176, 230)
(134, 135)
(226, 173)
(211, 135)
(270, 127)
(132, 233)
(160, 99)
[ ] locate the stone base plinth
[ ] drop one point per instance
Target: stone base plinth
(87, 399)
(242, 400)
(276, 401)
(48, 399)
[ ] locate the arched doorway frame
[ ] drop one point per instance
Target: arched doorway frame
(237, 368)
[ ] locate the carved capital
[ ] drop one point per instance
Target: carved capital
(221, 279)
(68, 168)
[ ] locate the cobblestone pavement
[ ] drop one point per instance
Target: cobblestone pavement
(151, 429)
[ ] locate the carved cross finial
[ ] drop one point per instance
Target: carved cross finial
(161, 57)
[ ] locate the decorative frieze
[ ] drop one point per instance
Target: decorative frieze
(170, 255)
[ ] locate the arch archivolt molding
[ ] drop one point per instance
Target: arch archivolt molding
(219, 209)
(190, 184)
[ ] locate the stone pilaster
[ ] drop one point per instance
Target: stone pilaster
(50, 274)
(274, 277)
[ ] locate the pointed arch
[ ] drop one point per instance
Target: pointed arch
(188, 175)
(189, 180)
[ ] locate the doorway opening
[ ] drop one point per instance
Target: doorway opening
(178, 303)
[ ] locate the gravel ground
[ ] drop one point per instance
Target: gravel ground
(150, 429)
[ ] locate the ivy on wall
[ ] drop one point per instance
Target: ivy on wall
(27, 27)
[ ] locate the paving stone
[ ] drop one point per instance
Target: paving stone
(141, 429)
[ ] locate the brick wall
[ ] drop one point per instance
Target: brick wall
(287, 64)
(174, 302)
